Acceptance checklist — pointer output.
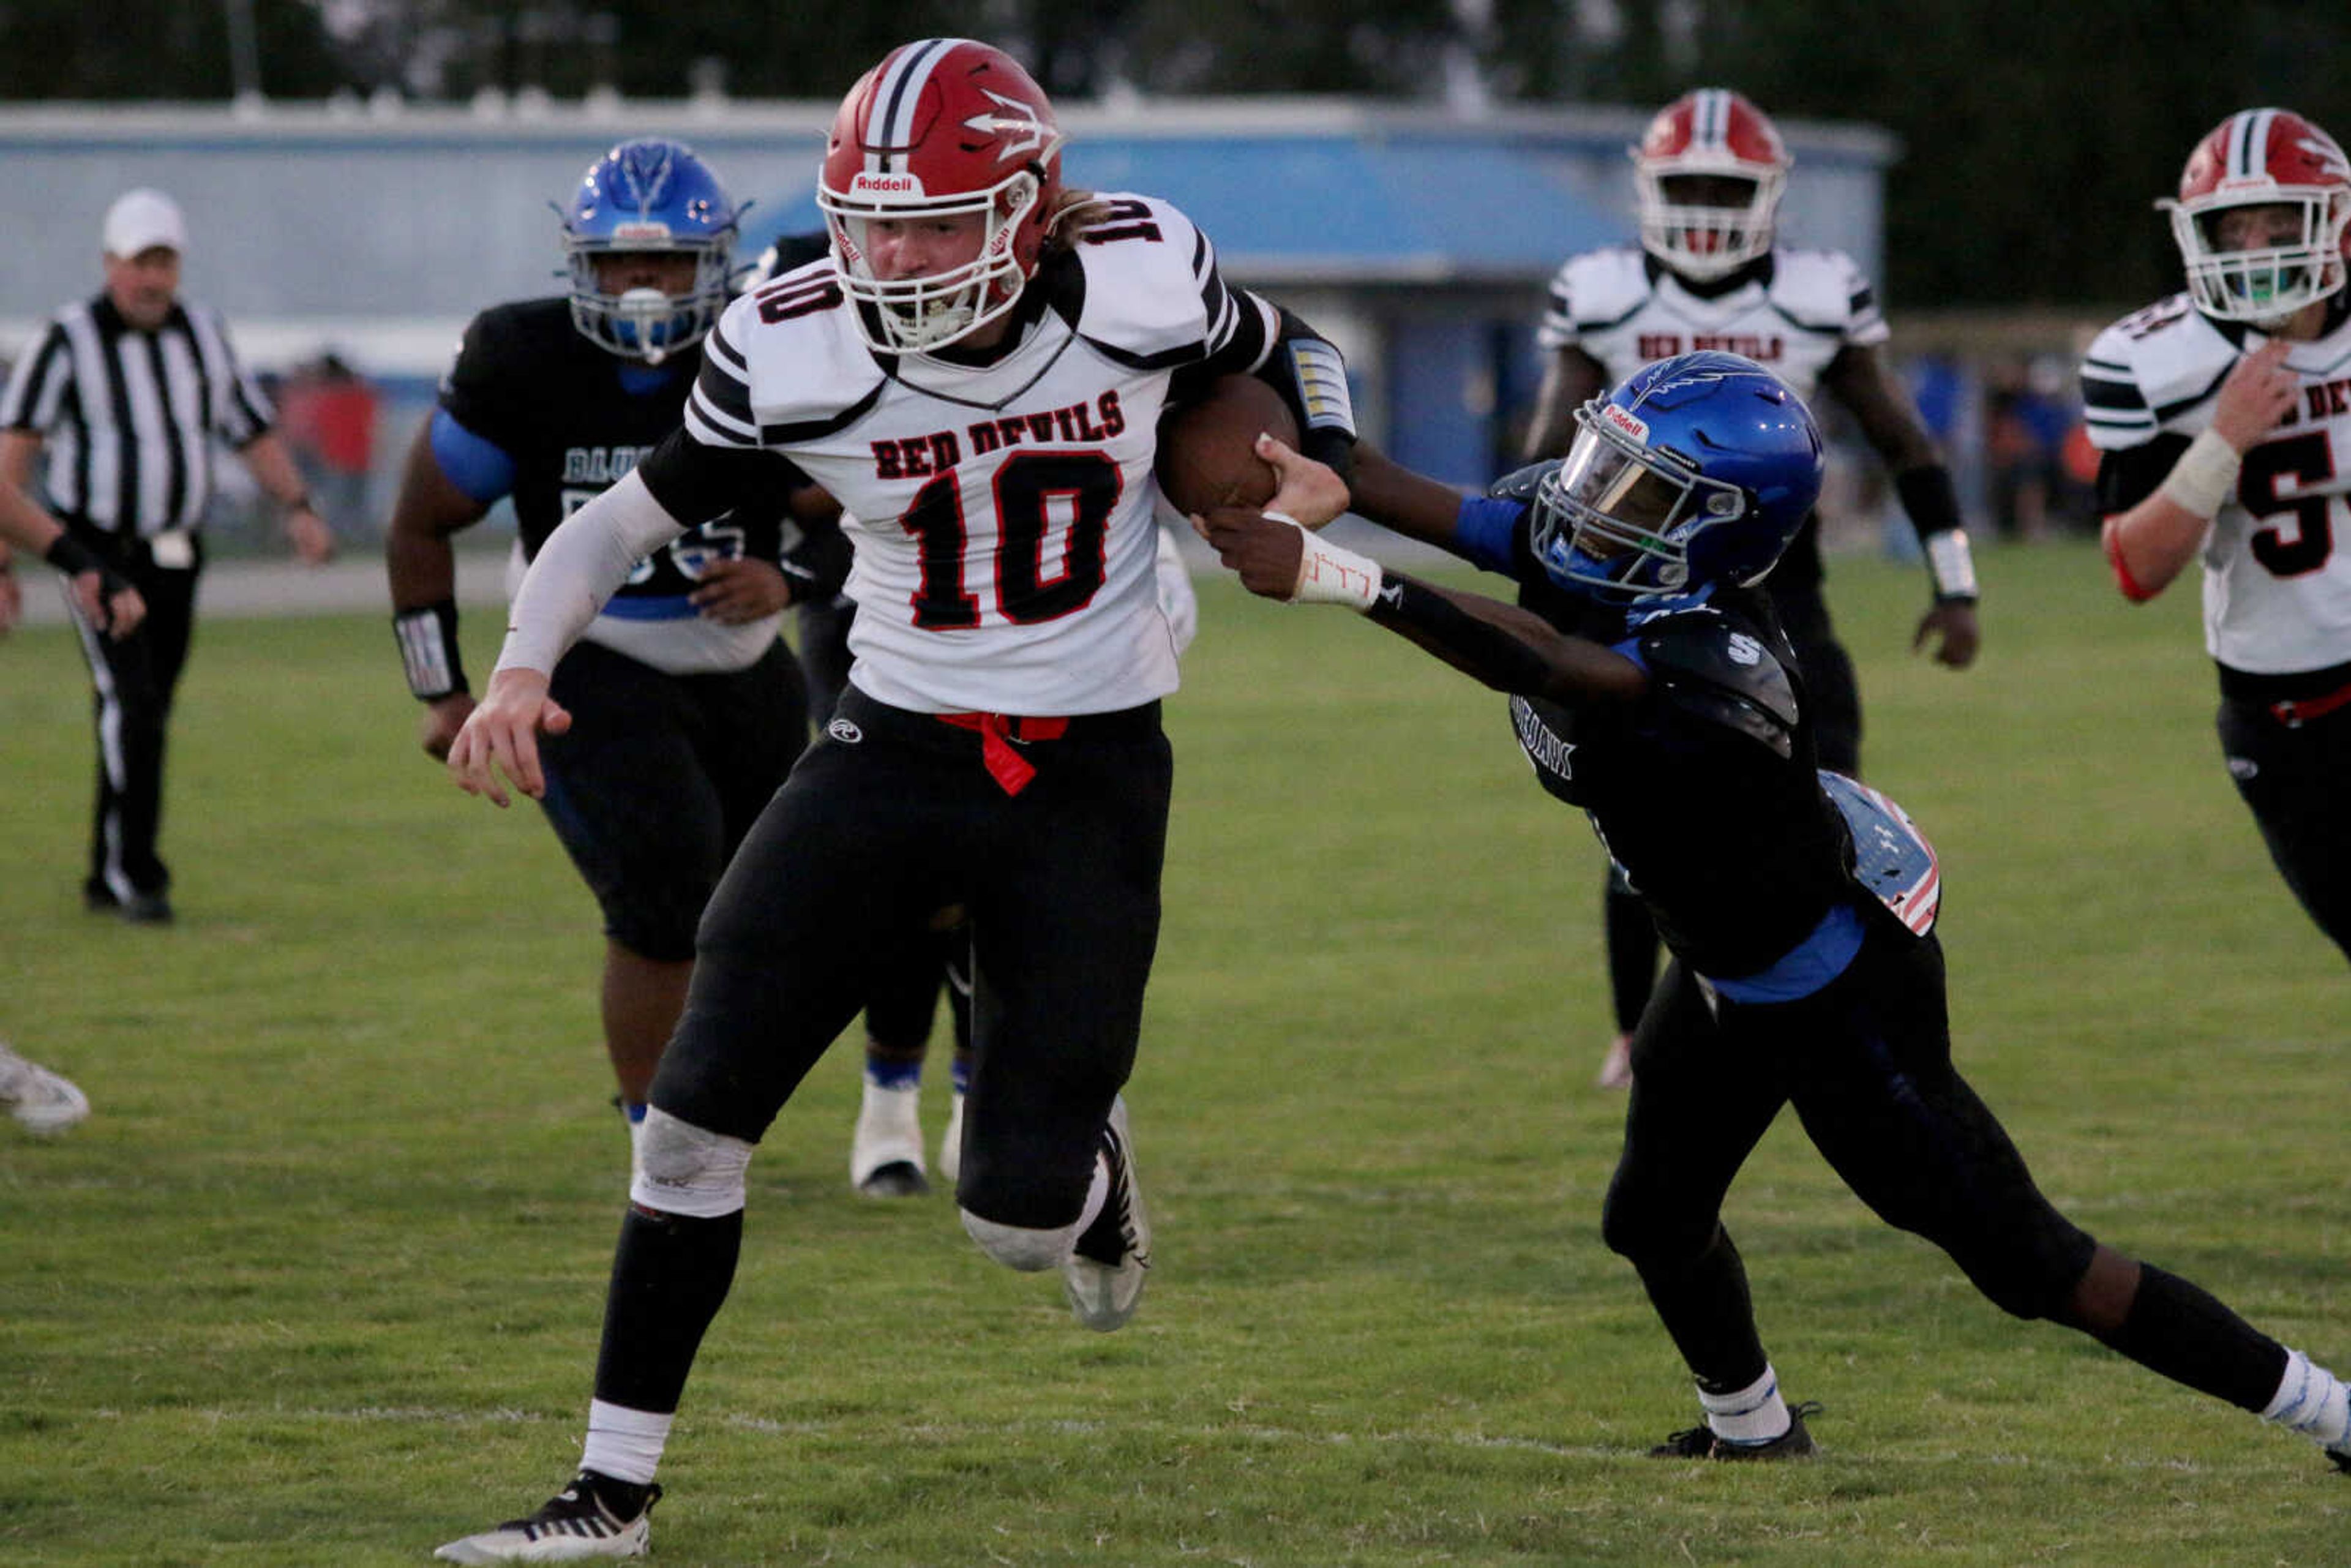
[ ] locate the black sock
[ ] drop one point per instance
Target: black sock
(2180, 1331)
(669, 1276)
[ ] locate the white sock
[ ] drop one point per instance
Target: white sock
(2313, 1401)
(624, 1444)
(1755, 1414)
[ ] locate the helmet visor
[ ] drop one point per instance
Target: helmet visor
(1619, 515)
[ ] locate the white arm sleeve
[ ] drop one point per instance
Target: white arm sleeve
(582, 562)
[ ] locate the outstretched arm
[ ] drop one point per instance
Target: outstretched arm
(1505, 647)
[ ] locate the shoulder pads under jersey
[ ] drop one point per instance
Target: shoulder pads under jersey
(1708, 668)
(1519, 484)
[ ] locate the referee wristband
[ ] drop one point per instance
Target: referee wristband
(2205, 477)
(428, 650)
(71, 556)
(1328, 574)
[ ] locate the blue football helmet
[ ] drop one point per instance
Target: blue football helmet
(649, 195)
(1696, 470)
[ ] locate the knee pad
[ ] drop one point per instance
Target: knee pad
(1016, 1247)
(685, 1169)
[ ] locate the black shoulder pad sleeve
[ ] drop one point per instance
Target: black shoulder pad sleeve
(1709, 669)
(1518, 484)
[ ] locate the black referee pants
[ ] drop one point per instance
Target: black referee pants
(133, 681)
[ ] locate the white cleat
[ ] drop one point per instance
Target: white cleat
(595, 1517)
(950, 1160)
(1104, 1276)
(40, 1100)
(885, 1155)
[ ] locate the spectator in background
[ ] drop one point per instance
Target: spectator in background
(127, 391)
(328, 411)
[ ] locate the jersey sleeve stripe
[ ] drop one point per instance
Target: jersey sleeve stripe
(2180, 405)
(719, 346)
(786, 433)
(714, 427)
(2098, 392)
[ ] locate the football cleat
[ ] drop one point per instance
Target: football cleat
(2341, 1457)
(40, 1100)
(1105, 1274)
(950, 1160)
(595, 1517)
(885, 1154)
(1700, 1442)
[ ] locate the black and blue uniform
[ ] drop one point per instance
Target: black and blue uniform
(682, 730)
(1804, 969)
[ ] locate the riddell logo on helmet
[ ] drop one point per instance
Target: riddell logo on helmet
(1631, 424)
(865, 185)
(647, 230)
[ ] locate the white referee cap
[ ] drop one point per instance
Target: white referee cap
(141, 220)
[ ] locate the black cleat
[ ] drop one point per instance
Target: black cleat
(1700, 1443)
(2342, 1460)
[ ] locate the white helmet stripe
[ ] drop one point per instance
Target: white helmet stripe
(1710, 117)
(890, 124)
(2249, 148)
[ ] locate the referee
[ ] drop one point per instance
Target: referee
(130, 391)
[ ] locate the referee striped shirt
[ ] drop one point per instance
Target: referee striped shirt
(129, 417)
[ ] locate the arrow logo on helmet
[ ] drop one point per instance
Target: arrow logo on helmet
(1016, 124)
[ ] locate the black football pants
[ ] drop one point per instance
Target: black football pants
(890, 817)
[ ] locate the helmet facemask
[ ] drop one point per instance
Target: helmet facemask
(646, 324)
(916, 314)
(2268, 283)
(1619, 515)
(1706, 240)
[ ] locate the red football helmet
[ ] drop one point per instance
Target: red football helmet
(1709, 171)
(2264, 158)
(944, 127)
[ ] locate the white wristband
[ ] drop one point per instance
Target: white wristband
(2205, 477)
(1952, 564)
(1328, 574)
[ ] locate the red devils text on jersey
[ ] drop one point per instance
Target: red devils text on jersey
(1792, 313)
(1001, 513)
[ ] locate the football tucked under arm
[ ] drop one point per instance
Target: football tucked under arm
(1207, 455)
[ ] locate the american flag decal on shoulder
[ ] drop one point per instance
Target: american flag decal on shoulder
(1891, 857)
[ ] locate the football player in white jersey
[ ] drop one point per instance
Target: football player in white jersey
(975, 374)
(1708, 173)
(2223, 416)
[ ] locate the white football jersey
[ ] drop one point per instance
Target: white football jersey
(1626, 311)
(2277, 591)
(1001, 517)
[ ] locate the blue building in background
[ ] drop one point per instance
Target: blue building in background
(1419, 240)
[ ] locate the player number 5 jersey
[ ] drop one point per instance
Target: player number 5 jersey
(2277, 585)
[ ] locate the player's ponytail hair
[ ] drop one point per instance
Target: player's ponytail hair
(1074, 213)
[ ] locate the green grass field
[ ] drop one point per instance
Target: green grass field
(321, 1281)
